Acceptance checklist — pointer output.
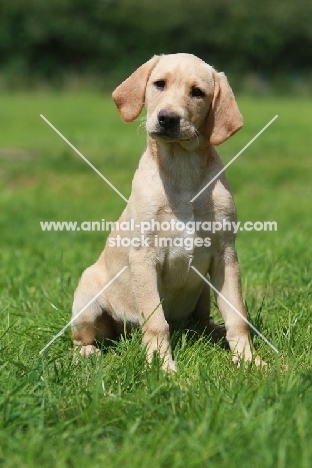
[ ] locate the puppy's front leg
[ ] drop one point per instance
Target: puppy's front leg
(155, 328)
(225, 277)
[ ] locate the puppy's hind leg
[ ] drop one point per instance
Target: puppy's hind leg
(92, 326)
(92, 323)
(202, 315)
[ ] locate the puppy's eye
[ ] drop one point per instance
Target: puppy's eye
(197, 92)
(160, 84)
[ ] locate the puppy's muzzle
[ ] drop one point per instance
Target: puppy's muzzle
(168, 123)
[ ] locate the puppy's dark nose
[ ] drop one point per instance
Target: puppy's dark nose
(168, 120)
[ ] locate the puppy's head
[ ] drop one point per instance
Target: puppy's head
(184, 98)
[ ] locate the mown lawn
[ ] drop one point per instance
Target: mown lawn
(117, 411)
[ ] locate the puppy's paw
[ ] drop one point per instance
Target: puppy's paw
(259, 363)
(236, 361)
(86, 350)
(217, 331)
(169, 366)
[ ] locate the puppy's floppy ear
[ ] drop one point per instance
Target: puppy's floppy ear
(130, 95)
(224, 117)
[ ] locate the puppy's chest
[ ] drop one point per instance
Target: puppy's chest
(180, 243)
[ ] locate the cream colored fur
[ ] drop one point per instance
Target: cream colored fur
(159, 286)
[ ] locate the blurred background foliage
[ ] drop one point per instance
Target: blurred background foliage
(261, 45)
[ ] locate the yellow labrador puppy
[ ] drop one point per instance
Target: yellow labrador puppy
(190, 109)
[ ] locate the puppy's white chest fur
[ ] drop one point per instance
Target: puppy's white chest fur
(178, 249)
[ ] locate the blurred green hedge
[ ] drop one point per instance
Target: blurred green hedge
(46, 40)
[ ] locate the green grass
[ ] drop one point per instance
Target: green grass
(117, 411)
